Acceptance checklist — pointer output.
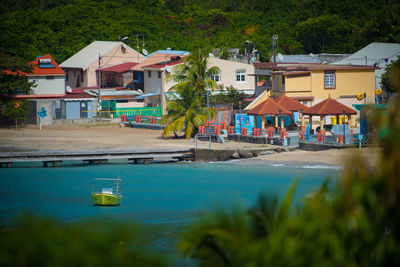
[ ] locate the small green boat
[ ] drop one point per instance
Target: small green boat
(106, 196)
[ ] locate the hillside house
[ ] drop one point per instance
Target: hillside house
(116, 61)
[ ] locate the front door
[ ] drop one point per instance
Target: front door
(84, 109)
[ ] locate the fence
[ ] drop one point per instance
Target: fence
(147, 111)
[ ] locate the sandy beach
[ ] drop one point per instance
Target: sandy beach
(108, 136)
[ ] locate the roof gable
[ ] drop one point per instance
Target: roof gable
(90, 54)
(42, 66)
(289, 103)
(329, 107)
(374, 52)
(269, 107)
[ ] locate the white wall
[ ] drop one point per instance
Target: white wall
(48, 86)
(153, 84)
(228, 73)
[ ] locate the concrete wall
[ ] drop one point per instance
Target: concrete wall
(48, 84)
(50, 107)
(75, 77)
(153, 84)
(228, 73)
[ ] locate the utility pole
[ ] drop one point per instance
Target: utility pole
(99, 98)
(274, 39)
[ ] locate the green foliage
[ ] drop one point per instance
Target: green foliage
(196, 73)
(12, 84)
(229, 96)
(62, 28)
(15, 110)
(44, 242)
(186, 112)
(389, 77)
(193, 78)
(353, 223)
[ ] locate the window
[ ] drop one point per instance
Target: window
(240, 75)
(149, 73)
(216, 78)
(330, 79)
(159, 75)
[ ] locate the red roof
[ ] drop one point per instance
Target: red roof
(115, 97)
(78, 96)
(160, 65)
(120, 68)
(38, 70)
(39, 96)
(289, 103)
(269, 107)
(329, 107)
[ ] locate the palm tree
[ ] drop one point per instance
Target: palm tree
(195, 72)
(193, 78)
(236, 237)
(185, 112)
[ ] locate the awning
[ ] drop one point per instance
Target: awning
(147, 95)
(120, 68)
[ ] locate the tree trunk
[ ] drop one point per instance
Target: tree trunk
(16, 123)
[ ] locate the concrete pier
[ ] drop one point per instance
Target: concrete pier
(55, 157)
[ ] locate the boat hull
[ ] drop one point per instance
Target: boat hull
(100, 199)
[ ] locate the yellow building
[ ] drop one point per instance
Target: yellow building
(313, 83)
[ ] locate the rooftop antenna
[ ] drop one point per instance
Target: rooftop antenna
(274, 39)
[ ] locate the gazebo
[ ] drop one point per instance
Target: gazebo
(269, 108)
(290, 104)
(328, 107)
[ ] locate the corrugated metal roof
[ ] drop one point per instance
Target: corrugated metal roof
(374, 52)
(170, 52)
(298, 59)
(120, 68)
(90, 53)
(162, 65)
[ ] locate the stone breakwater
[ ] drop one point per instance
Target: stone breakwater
(204, 155)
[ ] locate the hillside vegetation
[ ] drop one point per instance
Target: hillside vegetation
(63, 27)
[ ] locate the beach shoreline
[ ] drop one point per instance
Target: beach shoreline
(94, 137)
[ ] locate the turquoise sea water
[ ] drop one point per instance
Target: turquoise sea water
(154, 193)
(167, 196)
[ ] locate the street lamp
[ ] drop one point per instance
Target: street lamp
(344, 133)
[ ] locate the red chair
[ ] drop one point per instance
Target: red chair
(201, 129)
(217, 130)
(138, 118)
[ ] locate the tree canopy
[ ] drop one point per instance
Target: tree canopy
(62, 28)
